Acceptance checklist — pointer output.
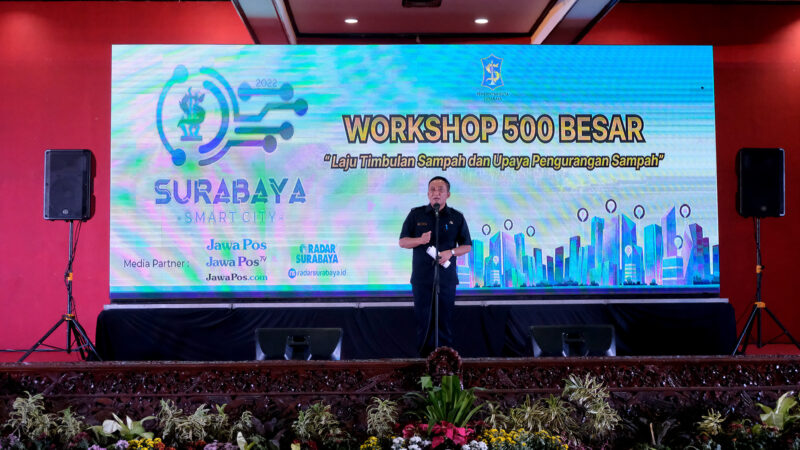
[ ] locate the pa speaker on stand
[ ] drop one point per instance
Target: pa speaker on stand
(68, 184)
(761, 193)
(68, 176)
(761, 182)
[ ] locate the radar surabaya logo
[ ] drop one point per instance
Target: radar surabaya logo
(322, 253)
(201, 115)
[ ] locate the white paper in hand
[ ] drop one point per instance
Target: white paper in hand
(432, 252)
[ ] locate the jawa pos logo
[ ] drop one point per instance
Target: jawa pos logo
(187, 118)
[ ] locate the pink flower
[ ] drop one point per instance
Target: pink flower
(444, 430)
(459, 436)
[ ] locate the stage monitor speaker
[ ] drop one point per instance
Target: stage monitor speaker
(761, 182)
(299, 343)
(68, 184)
(573, 340)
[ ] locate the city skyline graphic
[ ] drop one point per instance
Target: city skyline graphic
(613, 256)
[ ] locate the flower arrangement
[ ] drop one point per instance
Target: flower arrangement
(778, 429)
(449, 418)
(372, 443)
(520, 439)
(445, 433)
(448, 402)
(318, 425)
(147, 444)
(411, 443)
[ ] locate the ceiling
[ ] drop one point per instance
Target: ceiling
(389, 21)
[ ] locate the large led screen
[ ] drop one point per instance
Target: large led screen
(287, 171)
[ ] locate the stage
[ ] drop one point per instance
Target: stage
(203, 355)
(373, 329)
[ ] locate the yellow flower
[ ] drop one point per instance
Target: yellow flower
(370, 443)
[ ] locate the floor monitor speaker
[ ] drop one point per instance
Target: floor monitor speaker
(573, 340)
(298, 343)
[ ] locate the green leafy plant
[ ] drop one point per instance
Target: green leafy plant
(529, 416)
(447, 402)
(581, 413)
(219, 426)
(318, 423)
(495, 417)
(242, 443)
(657, 431)
(168, 417)
(742, 435)
(127, 430)
(781, 416)
(28, 419)
(180, 429)
(382, 414)
(599, 418)
(242, 434)
(711, 424)
(243, 426)
(193, 427)
(69, 425)
(554, 413)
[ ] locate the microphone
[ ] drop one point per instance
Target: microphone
(432, 249)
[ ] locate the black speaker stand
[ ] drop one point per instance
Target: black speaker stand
(758, 305)
(81, 342)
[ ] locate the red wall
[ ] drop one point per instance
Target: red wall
(55, 65)
(55, 92)
(757, 89)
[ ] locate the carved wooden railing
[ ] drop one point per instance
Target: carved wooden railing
(639, 386)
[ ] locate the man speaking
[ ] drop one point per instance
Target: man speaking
(419, 233)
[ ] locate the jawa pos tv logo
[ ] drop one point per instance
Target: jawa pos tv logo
(187, 120)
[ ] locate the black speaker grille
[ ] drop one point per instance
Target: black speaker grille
(761, 182)
(67, 184)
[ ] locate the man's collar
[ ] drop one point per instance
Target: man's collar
(429, 208)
